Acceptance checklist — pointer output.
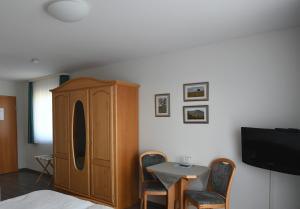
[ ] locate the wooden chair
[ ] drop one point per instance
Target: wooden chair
(218, 188)
(150, 185)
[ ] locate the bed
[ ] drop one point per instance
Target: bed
(46, 199)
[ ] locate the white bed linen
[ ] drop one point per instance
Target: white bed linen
(46, 199)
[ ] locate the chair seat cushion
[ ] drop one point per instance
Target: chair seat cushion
(154, 186)
(204, 197)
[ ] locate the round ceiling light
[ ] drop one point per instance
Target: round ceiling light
(68, 10)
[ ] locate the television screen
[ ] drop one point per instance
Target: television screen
(272, 149)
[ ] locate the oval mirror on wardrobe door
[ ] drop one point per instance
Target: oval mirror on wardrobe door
(79, 135)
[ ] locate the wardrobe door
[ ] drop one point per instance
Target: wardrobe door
(101, 132)
(79, 166)
(61, 139)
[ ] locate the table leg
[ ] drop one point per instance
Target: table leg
(42, 173)
(171, 197)
(45, 171)
(52, 177)
(183, 183)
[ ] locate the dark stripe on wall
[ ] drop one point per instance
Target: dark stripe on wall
(30, 113)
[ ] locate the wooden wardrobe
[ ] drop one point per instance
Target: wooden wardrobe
(96, 140)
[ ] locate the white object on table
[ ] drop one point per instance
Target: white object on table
(186, 160)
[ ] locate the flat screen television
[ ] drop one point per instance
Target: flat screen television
(273, 149)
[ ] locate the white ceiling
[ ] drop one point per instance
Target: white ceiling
(122, 29)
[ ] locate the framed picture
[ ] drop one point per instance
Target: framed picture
(162, 105)
(195, 91)
(195, 114)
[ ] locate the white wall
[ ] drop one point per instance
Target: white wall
(11, 88)
(253, 82)
(26, 152)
